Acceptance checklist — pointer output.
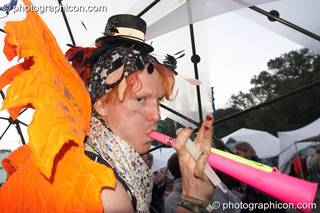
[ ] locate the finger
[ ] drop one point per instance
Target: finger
(181, 139)
(199, 136)
(201, 162)
(205, 127)
(207, 137)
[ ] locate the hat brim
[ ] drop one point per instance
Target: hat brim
(124, 41)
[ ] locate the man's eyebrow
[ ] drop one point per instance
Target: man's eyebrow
(144, 94)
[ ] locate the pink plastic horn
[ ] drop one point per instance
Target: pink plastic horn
(283, 187)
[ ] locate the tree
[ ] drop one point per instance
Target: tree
(285, 73)
(224, 128)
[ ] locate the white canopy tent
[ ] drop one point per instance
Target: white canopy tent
(265, 144)
(290, 145)
(305, 8)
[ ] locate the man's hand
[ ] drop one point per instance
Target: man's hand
(195, 183)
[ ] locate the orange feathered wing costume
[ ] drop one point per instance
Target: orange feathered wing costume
(51, 173)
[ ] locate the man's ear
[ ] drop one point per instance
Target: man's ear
(100, 108)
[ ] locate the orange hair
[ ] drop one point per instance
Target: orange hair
(134, 84)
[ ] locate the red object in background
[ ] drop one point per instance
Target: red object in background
(299, 168)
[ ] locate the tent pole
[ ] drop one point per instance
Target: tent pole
(148, 8)
(273, 15)
(216, 139)
(2, 94)
(180, 115)
(4, 132)
(16, 122)
(67, 23)
(195, 60)
(278, 98)
(19, 132)
(212, 100)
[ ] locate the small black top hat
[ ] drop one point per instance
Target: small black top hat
(125, 29)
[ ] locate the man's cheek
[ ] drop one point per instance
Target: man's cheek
(138, 111)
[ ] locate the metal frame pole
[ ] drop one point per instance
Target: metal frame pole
(273, 15)
(279, 97)
(67, 22)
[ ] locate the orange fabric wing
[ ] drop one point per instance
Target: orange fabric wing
(55, 174)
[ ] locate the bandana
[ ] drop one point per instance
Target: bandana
(113, 66)
(125, 161)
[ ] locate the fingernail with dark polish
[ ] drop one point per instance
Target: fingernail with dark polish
(206, 128)
(208, 118)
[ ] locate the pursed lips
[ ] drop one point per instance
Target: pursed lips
(150, 130)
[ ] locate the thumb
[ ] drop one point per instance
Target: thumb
(182, 139)
(200, 165)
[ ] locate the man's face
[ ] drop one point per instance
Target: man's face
(137, 116)
(244, 154)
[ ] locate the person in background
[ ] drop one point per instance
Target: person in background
(172, 200)
(313, 165)
(246, 193)
(160, 182)
(244, 149)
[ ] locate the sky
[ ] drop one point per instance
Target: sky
(245, 53)
(232, 48)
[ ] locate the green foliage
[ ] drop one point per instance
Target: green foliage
(229, 126)
(285, 73)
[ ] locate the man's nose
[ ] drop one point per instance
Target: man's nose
(155, 112)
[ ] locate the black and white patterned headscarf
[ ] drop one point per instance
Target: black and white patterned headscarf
(116, 64)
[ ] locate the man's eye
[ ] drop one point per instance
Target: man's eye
(140, 100)
(160, 99)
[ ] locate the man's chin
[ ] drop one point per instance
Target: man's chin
(145, 147)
